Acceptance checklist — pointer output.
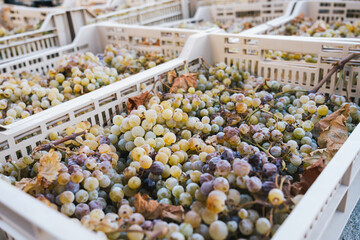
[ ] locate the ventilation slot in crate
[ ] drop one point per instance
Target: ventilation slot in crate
(108, 99)
(58, 121)
(85, 109)
(27, 135)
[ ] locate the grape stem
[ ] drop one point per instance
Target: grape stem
(57, 142)
(260, 147)
(18, 178)
(252, 113)
(337, 66)
(289, 91)
(204, 63)
(256, 202)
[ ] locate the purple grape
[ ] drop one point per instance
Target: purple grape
(207, 187)
(206, 177)
(227, 154)
(81, 159)
(157, 168)
(81, 210)
(104, 140)
(105, 157)
(267, 186)
(269, 169)
(72, 187)
(95, 204)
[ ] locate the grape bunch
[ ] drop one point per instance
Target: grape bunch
(226, 150)
(235, 26)
(25, 94)
(288, 56)
(9, 31)
(305, 26)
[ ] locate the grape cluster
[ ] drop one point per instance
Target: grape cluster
(304, 26)
(9, 31)
(224, 151)
(25, 94)
(288, 56)
(235, 26)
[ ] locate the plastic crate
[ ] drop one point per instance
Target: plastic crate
(195, 4)
(56, 30)
(94, 38)
(327, 204)
(260, 12)
(149, 14)
(327, 11)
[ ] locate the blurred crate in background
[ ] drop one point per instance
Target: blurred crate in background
(54, 30)
(94, 38)
(235, 18)
(320, 15)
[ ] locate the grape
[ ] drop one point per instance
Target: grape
(216, 201)
(67, 197)
(134, 182)
(254, 184)
(276, 196)
(81, 210)
(81, 196)
(192, 218)
(246, 227)
(135, 235)
(218, 230)
(221, 184)
(263, 225)
(241, 167)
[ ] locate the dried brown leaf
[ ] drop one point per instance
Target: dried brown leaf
(212, 140)
(136, 101)
(28, 184)
(171, 76)
(325, 122)
(49, 166)
(308, 177)
(316, 155)
(151, 209)
(184, 81)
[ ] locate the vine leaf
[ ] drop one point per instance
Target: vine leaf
(151, 209)
(308, 177)
(49, 166)
(136, 101)
(334, 131)
(184, 81)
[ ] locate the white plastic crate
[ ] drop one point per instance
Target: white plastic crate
(94, 38)
(327, 11)
(148, 14)
(56, 30)
(261, 12)
(195, 4)
(323, 211)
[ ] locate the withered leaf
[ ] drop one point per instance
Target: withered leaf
(319, 26)
(136, 101)
(212, 140)
(308, 177)
(171, 76)
(184, 81)
(151, 209)
(332, 130)
(316, 155)
(49, 166)
(325, 122)
(334, 136)
(28, 185)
